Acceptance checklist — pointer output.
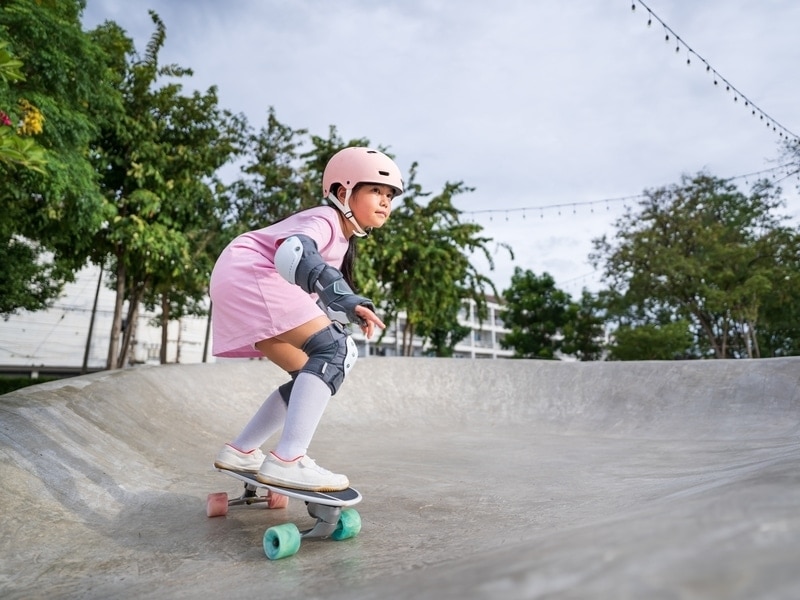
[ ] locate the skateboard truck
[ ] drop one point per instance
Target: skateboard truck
(327, 520)
(250, 496)
(327, 516)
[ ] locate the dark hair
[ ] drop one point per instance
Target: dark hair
(349, 263)
(349, 260)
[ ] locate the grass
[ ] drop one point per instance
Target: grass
(9, 384)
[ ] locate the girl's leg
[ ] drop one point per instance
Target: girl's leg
(243, 453)
(267, 420)
(309, 398)
(310, 395)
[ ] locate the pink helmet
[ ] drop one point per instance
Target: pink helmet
(352, 166)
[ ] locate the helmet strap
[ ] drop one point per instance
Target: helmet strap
(348, 214)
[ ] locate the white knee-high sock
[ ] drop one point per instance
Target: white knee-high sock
(310, 396)
(267, 420)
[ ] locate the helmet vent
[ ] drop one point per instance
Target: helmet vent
(384, 173)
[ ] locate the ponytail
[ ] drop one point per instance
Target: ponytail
(349, 263)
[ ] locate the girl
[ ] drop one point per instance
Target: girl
(284, 292)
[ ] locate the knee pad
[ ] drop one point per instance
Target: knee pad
(331, 355)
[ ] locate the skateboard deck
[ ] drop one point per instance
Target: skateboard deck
(334, 518)
(346, 497)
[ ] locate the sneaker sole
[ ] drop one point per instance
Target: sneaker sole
(300, 487)
(227, 467)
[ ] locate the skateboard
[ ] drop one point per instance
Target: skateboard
(331, 510)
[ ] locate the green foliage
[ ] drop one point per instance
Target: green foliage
(546, 323)
(421, 265)
(10, 384)
(51, 211)
(583, 329)
(779, 309)
(15, 149)
(270, 186)
(131, 184)
(653, 342)
(23, 282)
(10, 67)
(443, 338)
(158, 162)
(706, 254)
(22, 151)
(536, 312)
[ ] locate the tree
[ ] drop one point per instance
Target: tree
(420, 264)
(158, 164)
(536, 312)
(271, 185)
(703, 253)
(650, 341)
(779, 311)
(583, 329)
(442, 338)
(58, 93)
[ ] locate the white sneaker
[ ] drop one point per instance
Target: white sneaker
(300, 474)
(231, 459)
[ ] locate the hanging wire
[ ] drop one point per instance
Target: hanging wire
(557, 207)
(787, 168)
(717, 77)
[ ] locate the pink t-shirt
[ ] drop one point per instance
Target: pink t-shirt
(250, 300)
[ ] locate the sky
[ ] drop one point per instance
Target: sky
(558, 114)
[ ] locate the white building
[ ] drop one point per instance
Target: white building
(483, 340)
(56, 340)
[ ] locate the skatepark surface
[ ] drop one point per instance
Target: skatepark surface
(481, 479)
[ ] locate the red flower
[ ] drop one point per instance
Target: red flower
(4, 119)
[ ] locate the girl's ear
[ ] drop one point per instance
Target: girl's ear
(341, 192)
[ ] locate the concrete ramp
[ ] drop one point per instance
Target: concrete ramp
(481, 479)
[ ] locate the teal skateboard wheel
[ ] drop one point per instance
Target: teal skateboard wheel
(281, 541)
(349, 525)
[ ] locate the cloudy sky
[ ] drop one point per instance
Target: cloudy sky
(552, 111)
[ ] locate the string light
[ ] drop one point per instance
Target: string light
(789, 171)
(557, 207)
(771, 123)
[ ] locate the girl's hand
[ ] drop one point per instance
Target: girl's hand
(369, 320)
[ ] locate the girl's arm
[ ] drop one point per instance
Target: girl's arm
(299, 262)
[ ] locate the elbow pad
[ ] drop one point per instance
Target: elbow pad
(298, 262)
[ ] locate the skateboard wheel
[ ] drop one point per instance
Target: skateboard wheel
(217, 504)
(281, 541)
(277, 500)
(349, 525)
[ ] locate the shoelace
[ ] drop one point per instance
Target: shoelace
(310, 463)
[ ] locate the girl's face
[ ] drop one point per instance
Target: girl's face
(371, 203)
